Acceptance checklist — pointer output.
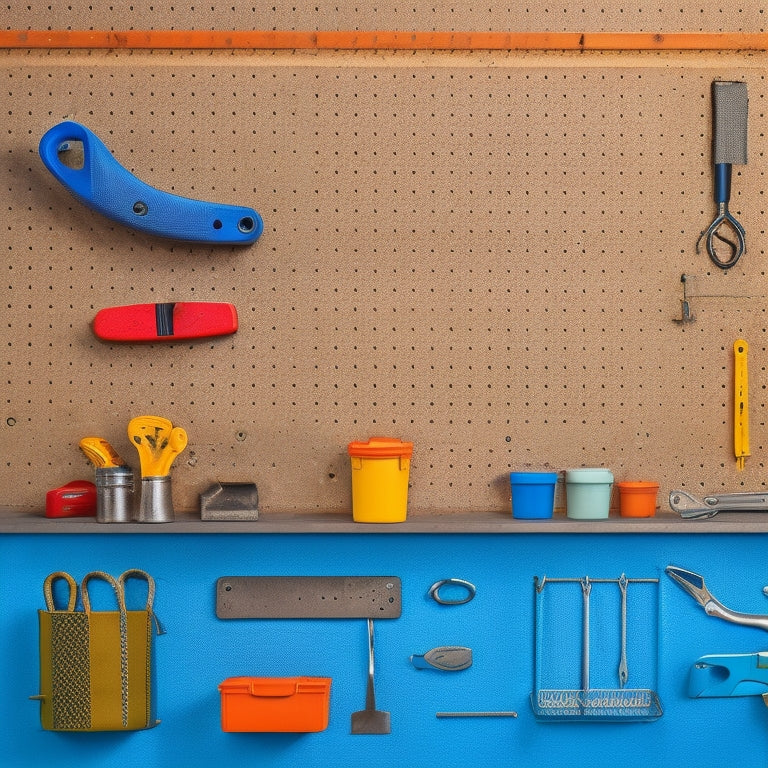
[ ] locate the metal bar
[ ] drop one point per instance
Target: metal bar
(540, 583)
(475, 714)
(308, 597)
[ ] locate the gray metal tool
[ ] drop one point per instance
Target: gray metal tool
(370, 719)
(476, 714)
(586, 589)
(689, 507)
(694, 585)
(623, 671)
(729, 146)
(448, 658)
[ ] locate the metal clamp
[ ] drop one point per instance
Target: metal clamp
(434, 591)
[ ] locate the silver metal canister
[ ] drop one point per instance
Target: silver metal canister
(156, 501)
(114, 494)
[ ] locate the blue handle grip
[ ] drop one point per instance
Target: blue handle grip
(109, 188)
(723, 173)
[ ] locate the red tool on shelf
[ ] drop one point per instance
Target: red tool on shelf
(75, 499)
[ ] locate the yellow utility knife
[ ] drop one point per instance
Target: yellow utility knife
(100, 452)
(740, 402)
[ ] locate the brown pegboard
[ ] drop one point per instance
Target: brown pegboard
(478, 253)
(609, 15)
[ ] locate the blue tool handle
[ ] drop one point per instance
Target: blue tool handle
(104, 185)
(723, 172)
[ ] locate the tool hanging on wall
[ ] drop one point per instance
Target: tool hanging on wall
(740, 402)
(370, 720)
(729, 147)
(308, 597)
(448, 658)
(587, 704)
(167, 321)
(694, 585)
(726, 675)
(101, 183)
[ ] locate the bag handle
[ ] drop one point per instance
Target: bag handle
(135, 573)
(112, 583)
(48, 590)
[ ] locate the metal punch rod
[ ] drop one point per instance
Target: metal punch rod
(540, 583)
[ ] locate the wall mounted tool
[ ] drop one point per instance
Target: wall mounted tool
(694, 585)
(370, 720)
(740, 402)
(101, 183)
(587, 704)
(170, 321)
(158, 443)
(448, 658)
(689, 506)
(744, 674)
(466, 591)
(476, 714)
(308, 597)
(729, 125)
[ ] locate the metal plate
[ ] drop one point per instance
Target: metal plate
(308, 597)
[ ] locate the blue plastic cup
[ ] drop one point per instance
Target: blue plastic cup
(533, 494)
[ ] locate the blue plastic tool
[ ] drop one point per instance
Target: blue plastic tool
(104, 185)
(729, 675)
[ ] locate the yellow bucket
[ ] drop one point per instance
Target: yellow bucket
(380, 470)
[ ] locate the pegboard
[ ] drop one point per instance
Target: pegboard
(610, 15)
(481, 254)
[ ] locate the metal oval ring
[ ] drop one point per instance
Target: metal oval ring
(434, 591)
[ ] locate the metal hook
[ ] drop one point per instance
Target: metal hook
(470, 589)
(723, 219)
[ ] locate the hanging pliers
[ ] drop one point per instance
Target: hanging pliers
(694, 585)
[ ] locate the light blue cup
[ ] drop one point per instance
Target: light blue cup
(533, 494)
(588, 493)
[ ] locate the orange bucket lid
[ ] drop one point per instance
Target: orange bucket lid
(380, 448)
(635, 486)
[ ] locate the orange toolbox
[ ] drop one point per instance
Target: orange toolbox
(290, 704)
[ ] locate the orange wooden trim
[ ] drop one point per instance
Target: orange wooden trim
(383, 40)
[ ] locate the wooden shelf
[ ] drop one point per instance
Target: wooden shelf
(29, 521)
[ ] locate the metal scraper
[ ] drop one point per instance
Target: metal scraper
(448, 658)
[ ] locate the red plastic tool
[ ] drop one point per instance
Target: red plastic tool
(75, 499)
(173, 321)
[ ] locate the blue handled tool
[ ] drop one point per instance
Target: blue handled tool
(744, 674)
(104, 185)
(729, 118)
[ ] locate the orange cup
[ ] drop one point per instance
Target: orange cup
(637, 499)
